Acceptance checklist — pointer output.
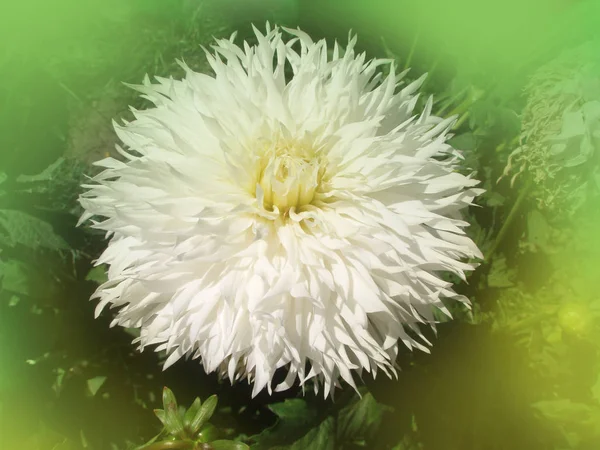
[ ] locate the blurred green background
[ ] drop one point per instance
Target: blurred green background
(54, 52)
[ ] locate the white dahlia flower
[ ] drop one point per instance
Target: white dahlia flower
(263, 221)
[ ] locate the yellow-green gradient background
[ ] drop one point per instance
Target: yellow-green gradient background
(58, 57)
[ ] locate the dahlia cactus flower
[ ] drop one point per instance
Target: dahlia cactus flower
(261, 219)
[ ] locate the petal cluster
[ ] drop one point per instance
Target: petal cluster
(289, 211)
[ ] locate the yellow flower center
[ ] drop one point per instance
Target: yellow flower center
(289, 175)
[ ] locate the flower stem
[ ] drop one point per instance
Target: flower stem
(460, 121)
(509, 220)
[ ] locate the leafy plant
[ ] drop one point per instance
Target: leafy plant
(300, 426)
(188, 429)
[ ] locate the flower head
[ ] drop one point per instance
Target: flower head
(288, 212)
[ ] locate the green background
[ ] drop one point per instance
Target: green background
(61, 68)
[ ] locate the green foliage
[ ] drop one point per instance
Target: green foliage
(14, 277)
(203, 414)
(188, 429)
(487, 116)
(19, 228)
(94, 384)
(360, 420)
(226, 445)
(24, 236)
(300, 426)
(500, 275)
(294, 418)
(321, 437)
(97, 274)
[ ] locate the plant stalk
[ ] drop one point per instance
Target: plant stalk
(509, 220)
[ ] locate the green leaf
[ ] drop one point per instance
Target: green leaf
(172, 420)
(191, 413)
(558, 148)
(160, 413)
(94, 384)
(84, 442)
(48, 174)
(14, 277)
(228, 445)
(208, 433)
(204, 414)
(586, 148)
(493, 199)
(168, 399)
(465, 141)
(360, 420)
(500, 276)
(576, 161)
(58, 382)
(19, 228)
(591, 112)
(319, 438)
(98, 274)
(295, 409)
(564, 410)
(572, 126)
(295, 419)
(297, 427)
